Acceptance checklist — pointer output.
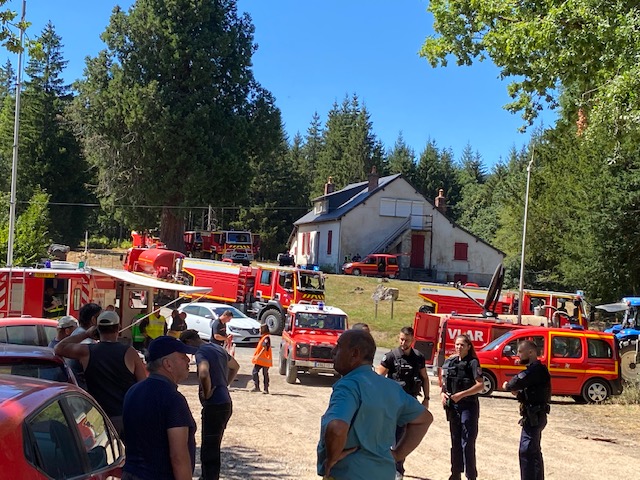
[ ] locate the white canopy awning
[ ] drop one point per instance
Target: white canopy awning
(613, 307)
(146, 281)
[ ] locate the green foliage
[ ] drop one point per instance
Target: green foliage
(402, 159)
(31, 236)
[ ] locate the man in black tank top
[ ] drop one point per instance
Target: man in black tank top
(110, 367)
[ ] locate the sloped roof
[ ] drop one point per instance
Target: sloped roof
(345, 200)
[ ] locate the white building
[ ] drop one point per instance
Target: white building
(387, 215)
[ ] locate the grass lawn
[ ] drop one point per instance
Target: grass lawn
(353, 295)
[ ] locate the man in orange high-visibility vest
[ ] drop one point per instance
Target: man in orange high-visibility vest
(262, 359)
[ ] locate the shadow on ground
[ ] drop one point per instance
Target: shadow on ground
(241, 463)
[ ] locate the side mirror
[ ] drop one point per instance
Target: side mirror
(507, 351)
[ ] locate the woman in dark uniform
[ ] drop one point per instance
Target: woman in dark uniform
(461, 383)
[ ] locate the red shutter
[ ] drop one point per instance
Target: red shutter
(460, 251)
(329, 240)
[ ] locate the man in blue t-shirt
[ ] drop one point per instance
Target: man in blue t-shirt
(216, 371)
(358, 428)
(159, 428)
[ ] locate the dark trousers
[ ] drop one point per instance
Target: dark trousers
(214, 421)
(399, 433)
(265, 376)
(531, 464)
(463, 426)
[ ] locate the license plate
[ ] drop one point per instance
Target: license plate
(322, 365)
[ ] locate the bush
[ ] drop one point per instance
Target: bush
(106, 242)
(630, 395)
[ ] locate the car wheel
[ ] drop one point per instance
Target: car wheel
(356, 272)
(596, 390)
(282, 367)
(292, 372)
(629, 367)
(273, 319)
(488, 382)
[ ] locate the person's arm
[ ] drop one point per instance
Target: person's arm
(205, 379)
(382, 370)
(143, 326)
(234, 367)
(135, 365)
(335, 438)
(519, 382)
(164, 322)
(179, 452)
(425, 386)
(415, 432)
(71, 347)
(385, 364)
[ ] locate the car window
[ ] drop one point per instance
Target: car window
(567, 347)
(538, 340)
(98, 441)
(204, 312)
(192, 309)
(599, 348)
(56, 449)
(22, 334)
(265, 277)
(3, 334)
(392, 261)
(50, 333)
(236, 313)
(369, 261)
(35, 369)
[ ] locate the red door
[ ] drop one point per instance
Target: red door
(417, 251)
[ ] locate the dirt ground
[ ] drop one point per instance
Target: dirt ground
(275, 436)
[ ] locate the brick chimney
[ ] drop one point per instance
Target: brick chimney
(441, 201)
(373, 179)
(329, 187)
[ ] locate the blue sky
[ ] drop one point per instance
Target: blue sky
(311, 53)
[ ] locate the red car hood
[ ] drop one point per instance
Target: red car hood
(315, 337)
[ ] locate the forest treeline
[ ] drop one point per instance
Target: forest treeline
(169, 120)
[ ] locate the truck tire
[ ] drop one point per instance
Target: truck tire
(292, 371)
(273, 319)
(629, 369)
(282, 367)
(596, 390)
(489, 382)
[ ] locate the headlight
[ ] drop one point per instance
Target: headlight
(302, 349)
(233, 329)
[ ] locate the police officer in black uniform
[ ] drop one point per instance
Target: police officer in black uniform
(406, 365)
(532, 387)
(461, 384)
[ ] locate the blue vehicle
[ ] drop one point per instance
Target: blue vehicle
(627, 334)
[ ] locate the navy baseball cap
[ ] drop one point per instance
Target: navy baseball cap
(166, 345)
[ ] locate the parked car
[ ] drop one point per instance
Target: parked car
(583, 364)
(36, 362)
(200, 316)
(54, 430)
(380, 264)
(27, 330)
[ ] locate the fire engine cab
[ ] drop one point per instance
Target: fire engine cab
(231, 245)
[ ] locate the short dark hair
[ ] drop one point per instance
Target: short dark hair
(108, 328)
(190, 334)
(407, 331)
(360, 326)
(87, 312)
(363, 341)
(529, 345)
(227, 313)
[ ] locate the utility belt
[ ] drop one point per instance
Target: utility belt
(532, 414)
(416, 386)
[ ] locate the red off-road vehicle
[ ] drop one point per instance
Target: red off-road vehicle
(310, 334)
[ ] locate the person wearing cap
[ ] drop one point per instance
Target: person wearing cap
(87, 316)
(160, 429)
(216, 371)
(110, 367)
(66, 326)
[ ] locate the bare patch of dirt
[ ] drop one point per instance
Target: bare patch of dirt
(275, 436)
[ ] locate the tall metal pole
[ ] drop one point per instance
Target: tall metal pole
(524, 237)
(16, 129)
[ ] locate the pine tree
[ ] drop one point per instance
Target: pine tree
(402, 159)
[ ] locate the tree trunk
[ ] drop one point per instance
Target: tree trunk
(172, 229)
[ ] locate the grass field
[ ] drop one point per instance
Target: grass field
(353, 295)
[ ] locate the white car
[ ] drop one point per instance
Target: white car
(200, 316)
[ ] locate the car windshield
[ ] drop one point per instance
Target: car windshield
(236, 313)
(498, 341)
(34, 369)
(320, 321)
(631, 318)
(311, 281)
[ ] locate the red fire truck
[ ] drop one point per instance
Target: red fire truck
(236, 246)
(435, 332)
(263, 290)
(33, 291)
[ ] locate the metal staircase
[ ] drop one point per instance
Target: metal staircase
(386, 243)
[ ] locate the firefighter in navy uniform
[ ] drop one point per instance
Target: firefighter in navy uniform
(407, 366)
(461, 383)
(532, 387)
